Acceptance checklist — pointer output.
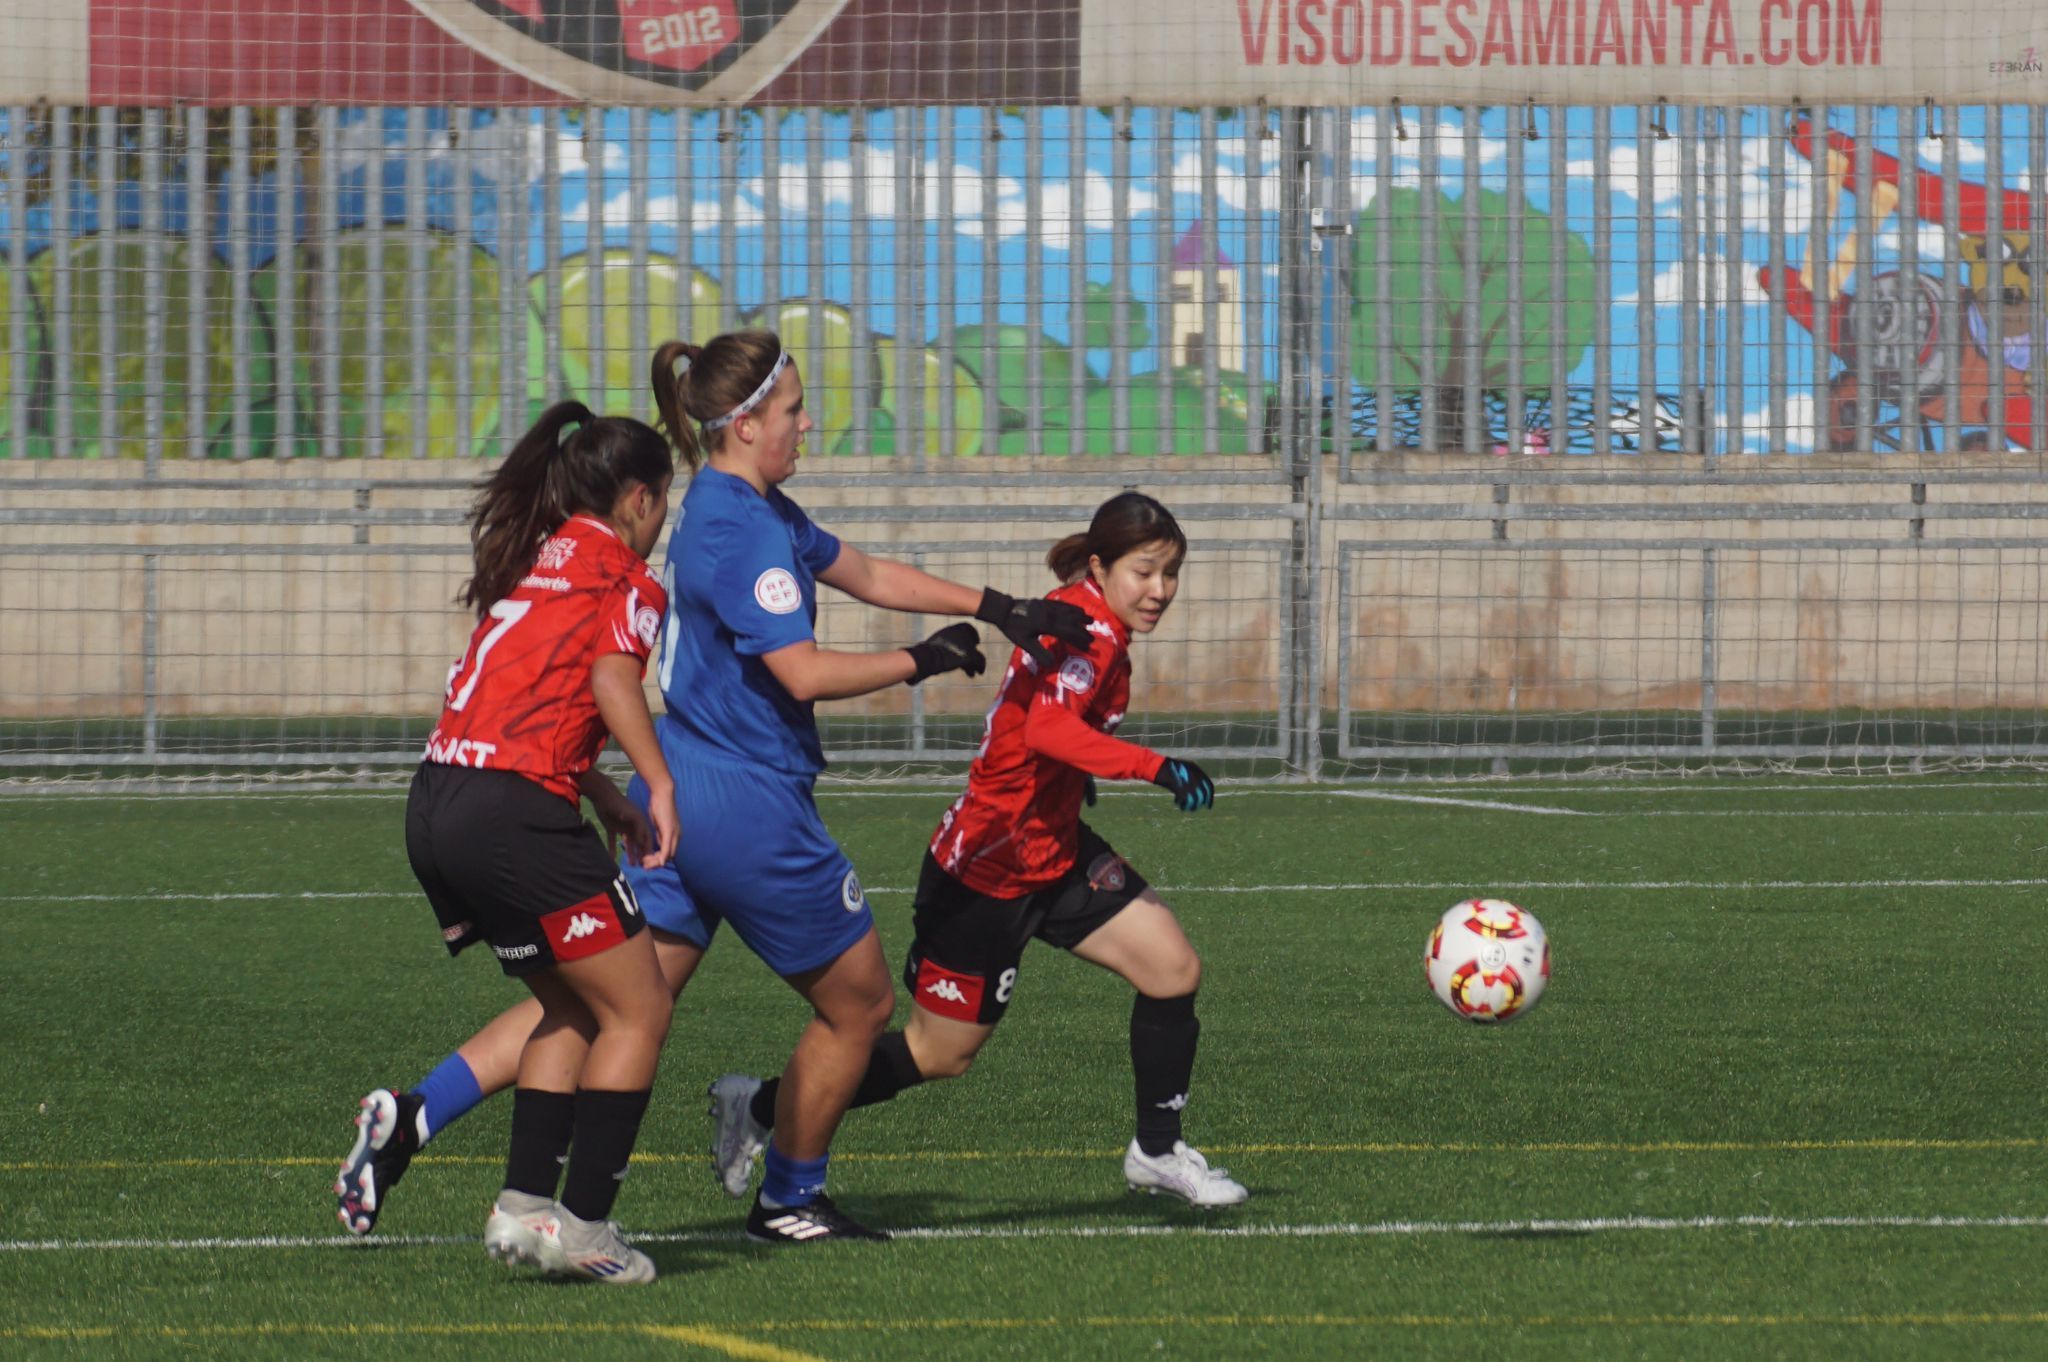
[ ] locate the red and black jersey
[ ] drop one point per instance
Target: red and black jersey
(1016, 827)
(520, 699)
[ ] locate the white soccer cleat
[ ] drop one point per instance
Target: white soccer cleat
(737, 1139)
(1182, 1172)
(513, 1237)
(592, 1250)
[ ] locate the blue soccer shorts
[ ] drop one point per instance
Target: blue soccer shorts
(755, 852)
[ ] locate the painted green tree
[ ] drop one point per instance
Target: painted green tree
(1497, 329)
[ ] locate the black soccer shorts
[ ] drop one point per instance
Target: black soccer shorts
(963, 960)
(506, 861)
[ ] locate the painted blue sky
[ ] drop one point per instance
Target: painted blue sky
(993, 186)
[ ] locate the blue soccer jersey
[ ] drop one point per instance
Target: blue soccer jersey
(742, 576)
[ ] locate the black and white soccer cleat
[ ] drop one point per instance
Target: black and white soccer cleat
(817, 1221)
(387, 1136)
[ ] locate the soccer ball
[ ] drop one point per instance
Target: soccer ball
(1487, 960)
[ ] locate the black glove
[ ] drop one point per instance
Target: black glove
(1189, 784)
(957, 647)
(1023, 622)
(1088, 792)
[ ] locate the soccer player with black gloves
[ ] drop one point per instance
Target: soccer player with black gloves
(1012, 861)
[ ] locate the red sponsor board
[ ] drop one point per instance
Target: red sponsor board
(262, 52)
(539, 52)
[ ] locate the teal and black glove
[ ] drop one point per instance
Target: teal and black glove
(1188, 783)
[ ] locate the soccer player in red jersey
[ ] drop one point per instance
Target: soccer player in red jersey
(567, 614)
(1012, 861)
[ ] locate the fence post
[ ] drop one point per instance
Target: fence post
(149, 644)
(1709, 640)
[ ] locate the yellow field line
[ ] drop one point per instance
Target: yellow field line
(1901, 1145)
(732, 1345)
(735, 1345)
(1897, 1320)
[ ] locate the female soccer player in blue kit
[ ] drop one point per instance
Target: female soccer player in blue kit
(740, 672)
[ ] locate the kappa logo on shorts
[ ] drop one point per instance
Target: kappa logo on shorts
(526, 952)
(1077, 674)
(776, 592)
(851, 894)
(1106, 872)
(944, 993)
(580, 926)
(584, 928)
(457, 932)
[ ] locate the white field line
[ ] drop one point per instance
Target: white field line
(938, 795)
(1394, 797)
(1316, 1230)
(1353, 886)
(1927, 814)
(937, 789)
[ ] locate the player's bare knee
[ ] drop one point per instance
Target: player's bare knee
(1177, 977)
(949, 1064)
(880, 1009)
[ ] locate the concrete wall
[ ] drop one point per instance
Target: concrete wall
(311, 588)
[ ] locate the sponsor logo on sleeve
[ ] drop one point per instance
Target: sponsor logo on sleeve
(647, 624)
(944, 993)
(776, 592)
(1077, 674)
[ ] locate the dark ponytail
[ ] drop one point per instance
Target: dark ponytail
(681, 433)
(551, 474)
(1127, 521)
(720, 374)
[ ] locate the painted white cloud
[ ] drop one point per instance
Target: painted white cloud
(1719, 279)
(1799, 426)
(1234, 189)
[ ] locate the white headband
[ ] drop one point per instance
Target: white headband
(720, 422)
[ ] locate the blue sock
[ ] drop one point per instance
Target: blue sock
(445, 1094)
(791, 1182)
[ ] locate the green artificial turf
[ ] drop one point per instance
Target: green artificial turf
(1786, 1096)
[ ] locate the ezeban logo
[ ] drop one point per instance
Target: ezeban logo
(638, 51)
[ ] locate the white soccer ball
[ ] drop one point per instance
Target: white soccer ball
(1487, 960)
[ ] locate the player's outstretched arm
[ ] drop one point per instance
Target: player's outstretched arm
(809, 672)
(897, 586)
(615, 684)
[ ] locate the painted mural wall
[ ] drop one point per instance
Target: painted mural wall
(1518, 283)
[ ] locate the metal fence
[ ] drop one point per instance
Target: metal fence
(1511, 282)
(1392, 365)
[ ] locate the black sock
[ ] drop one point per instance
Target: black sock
(1163, 1036)
(763, 1105)
(542, 1123)
(890, 1070)
(607, 1124)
